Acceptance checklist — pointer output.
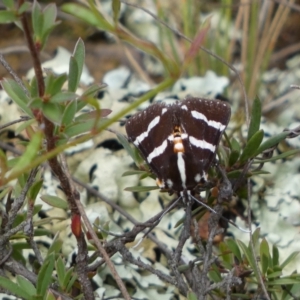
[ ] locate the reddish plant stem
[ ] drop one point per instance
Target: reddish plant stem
(62, 173)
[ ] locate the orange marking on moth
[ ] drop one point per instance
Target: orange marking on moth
(178, 145)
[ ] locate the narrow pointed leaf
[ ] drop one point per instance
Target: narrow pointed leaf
(280, 156)
(66, 279)
(17, 95)
(94, 19)
(45, 275)
(232, 245)
(63, 96)
(235, 152)
(53, 112)
(37, 20)
(252, 146)
(79, 55)
(255, 118)
(73, 75)
(141, 188)
(35, 189)
(49, 15)
(275, 256)
(283, 281)
(69, 113)
(264, 256)
(14, 288)
(133, 172)
(271, 142)
(9, 3)
(31, 152)
(7, 17)
(55, 201)
(116, 5)
(289, 259)
(26, 285)
(61, 270)
(249, 256)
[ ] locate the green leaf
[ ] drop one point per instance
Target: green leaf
(45, 275)
(215, 274)
(17, 95)
(283, 281)
(290, 258)
(26, 285)
(116, 5)
(14, 288)
(277, 157)
(9, 3)
(91, 115)
(3, 163)
(55, 201)
(235, 152)
(271, 142)
(61, 270)
(276, 274)
(24, 8)
(69, 113)
(191, 296)
(58, 83)
(7, 17)
(247, 252)
(141, 188)
(73, 75)
(70, 282)
(55, 246)
(76, 129)
(34, 189)
(87, 15)
(34, 89)
(53, 112)
(79, 56)
(50, 296)
(264, 256)
(66, 279)
(234, 174)
(30, 153)
(252, 145)
(126, 144)
(63, 96)
(37, 21)
(232, 245)
(275, 256)
(255, 118)
(36, 103)
(133, 172)
(226, 255)
(49, 16)
(255, 238)
(93, 89)
(54, 83)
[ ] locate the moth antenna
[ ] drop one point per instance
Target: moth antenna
(221, 217)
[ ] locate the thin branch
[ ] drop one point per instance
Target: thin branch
(8, 68)
(102, 250)
(252, 244)
(129, 257)
(20, 200)
(22, 119)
